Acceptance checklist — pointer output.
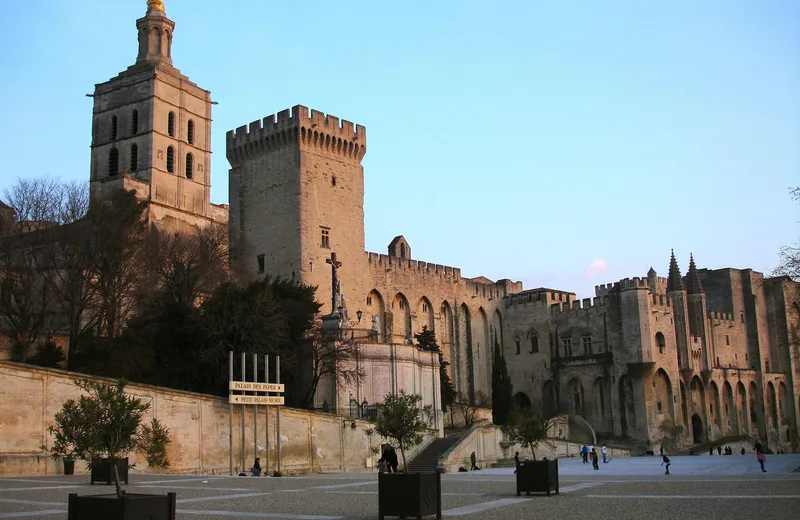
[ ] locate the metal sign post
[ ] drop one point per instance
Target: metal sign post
(247, 393)
(230, 413)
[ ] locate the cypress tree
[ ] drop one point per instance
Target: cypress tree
(502, 390)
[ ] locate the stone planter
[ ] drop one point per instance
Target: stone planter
(537, 476)
(126, 507)
(103, 471)
(69, 466)
(409, 495)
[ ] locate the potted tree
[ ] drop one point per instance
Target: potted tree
(102, 427)
(528, 429)
(64, 436)
(403, 421)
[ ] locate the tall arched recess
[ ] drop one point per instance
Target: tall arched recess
(444, 335)
(401, 319)
(465, 347)
(497, 326)
(627, 407)
(549, 398)
(483, 354)
(376, 312)
(425, 316)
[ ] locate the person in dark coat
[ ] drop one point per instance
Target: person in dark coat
(516, 462)
(594, 459)
(665, 460)
(256, 469)
(473, 461)
(393, 459)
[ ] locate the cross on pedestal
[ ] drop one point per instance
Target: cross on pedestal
(335, 265)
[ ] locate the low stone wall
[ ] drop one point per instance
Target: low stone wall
(488, 443)
(311, 442)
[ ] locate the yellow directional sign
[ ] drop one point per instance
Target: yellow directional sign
(256, 387)
(257, 399)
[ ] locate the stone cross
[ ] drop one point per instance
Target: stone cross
(335, 288)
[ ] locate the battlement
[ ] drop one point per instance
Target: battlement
(296, 126)
(604, 289)
(596, 304)
(539, 295)
(633, 283)
(720, 317)
(424, 268)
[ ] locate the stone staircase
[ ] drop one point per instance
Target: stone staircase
(428, 459)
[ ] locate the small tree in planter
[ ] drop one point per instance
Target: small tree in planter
(528, 428)
(403, 421)
(65, 435)
(102, 427)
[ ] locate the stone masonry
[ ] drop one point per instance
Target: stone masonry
(709, 354)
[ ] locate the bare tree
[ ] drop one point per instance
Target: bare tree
(469, 408)
(190, 265)
(26, 312)
(327, 354)
(119, 264)
(790, 255)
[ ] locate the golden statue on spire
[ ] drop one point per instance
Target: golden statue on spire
(155, 5)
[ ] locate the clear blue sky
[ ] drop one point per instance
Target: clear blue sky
(522, 140)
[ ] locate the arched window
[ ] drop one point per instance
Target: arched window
(170, 159)
(113, 162)
(190, 132)
(189, 165)
(113, 128)
(534, 337)
(134, 162)
(134, 122)
(661, 343)
(171, 124)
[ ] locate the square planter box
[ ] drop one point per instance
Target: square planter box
(69, 466)
(102, 471)
(537, 476)
(127, 507)
(409, 495)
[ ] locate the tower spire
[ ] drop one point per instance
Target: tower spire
(674, 280)
(155, 35)
(694, 286)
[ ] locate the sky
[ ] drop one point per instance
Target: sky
(561, 144)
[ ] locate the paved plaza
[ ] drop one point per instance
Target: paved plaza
(701, 486)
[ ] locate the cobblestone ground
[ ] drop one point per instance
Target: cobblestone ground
(729, 487)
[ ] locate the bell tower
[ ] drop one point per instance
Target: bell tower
(151, 132)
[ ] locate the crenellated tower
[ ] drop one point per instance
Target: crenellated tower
(297, 188)
(677, 293)
(151, 132)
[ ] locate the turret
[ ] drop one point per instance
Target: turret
(696, 306)
(677, 294)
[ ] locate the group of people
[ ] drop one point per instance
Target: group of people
(388, 462)
(726, 451)
(590, 453)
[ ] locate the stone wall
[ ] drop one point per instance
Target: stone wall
(198, 424)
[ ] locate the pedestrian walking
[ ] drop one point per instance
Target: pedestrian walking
(761, 460)
(594, 460)
(473, 461)
(665, 460)
(516, 462)
(603, 450)
(585, 454)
